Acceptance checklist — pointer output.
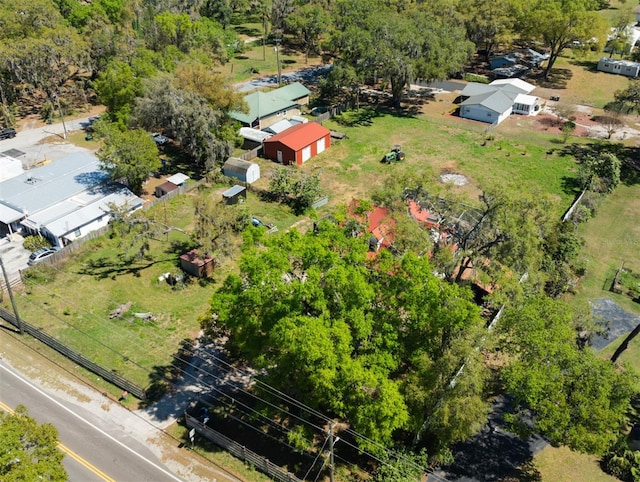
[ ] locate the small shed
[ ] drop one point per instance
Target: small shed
(178, 179)
(278, 127)
(236, 194)
(195, 265)
(245, 171)
(165, 188)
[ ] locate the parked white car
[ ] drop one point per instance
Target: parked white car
(40, 254)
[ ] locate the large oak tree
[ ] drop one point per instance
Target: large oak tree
(560, 23)
(374, 343)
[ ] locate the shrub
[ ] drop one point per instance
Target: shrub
(34, 243)
(482, 79)
(622, 463)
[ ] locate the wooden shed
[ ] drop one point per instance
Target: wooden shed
(298, 144)
(165, 188)
(194, 265)
(236, 194)
(245, 171)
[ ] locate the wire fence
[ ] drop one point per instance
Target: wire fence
(77, 357)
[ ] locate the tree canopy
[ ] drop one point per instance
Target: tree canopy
(574, 397)
(559, 23)
(375, 344)
(28, 451)
(188, 117)
(129, 155)
(396, 45)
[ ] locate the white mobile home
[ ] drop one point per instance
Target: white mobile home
(618, 66)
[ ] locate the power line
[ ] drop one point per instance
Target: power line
(349, 431)
(316, 459)
(279, 394)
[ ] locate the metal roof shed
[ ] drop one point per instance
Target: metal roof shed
(242, 170)
(236, 194)
(178, 179)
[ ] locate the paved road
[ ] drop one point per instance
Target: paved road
(29, 141)
(307, 75)
(110, 454)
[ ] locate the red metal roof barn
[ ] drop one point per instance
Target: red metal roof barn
(298, 143)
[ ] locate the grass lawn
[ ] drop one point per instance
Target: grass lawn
(563, 465)
(73, 301)
(611, 238)
(631, 355)
(258, 60)
(582, 84)
(352, 168)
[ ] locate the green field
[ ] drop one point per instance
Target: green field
(499, 161)
(611, 238)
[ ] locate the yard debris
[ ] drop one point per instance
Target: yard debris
(145, 316)
(120, 310)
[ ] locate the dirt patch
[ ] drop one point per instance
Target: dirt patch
(149, 187)
(33, 121)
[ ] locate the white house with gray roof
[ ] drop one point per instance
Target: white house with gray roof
(63, 200)
(496, 101)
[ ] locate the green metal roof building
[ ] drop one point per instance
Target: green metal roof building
(266, 108)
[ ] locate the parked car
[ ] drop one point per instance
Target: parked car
(40, 254)
(7, 133)
(159, 138)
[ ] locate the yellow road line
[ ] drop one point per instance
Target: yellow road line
(63, 448)
(82, 461)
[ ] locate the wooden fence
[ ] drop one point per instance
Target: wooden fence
(80, 359)
(252, 154)
(240, 451)
(332, 111)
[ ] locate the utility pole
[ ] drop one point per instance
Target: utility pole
(13, 302)
(57, 99)
(332, 441)
(277, 49)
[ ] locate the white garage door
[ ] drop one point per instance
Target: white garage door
(306, 153)
(320, 145)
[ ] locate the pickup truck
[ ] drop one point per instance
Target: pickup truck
(7, 133)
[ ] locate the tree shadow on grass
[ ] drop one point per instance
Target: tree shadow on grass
(110, 267)
(180, 247)
(588, 65)
(356, 118)
(629, 157)
(494, 453)
(558, 79)
(571, 185)
(248, 31)
(161, 380)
